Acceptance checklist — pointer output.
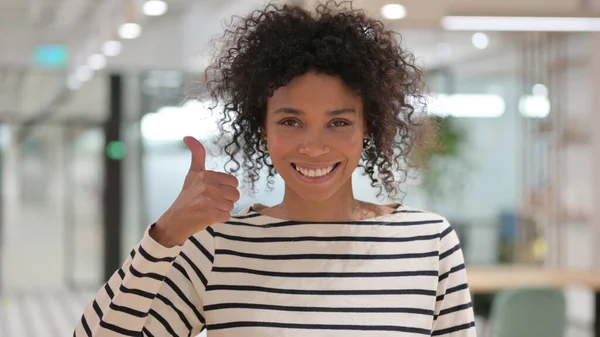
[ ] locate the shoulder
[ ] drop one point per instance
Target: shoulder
(412, 215)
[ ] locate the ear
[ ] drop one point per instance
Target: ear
(263, 131)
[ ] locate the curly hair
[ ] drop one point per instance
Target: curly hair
(268, 48)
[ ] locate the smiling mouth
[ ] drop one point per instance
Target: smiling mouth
(315, 173)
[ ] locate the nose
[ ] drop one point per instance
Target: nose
(313, 145)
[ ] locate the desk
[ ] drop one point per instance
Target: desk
(487, 280)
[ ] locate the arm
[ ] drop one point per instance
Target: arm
(157, 292)
(453, 310)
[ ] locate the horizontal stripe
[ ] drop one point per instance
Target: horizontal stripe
(119, 329)
(109, 326)
(109, 291)
(164, 322)
(455, 309)
(182, 296)
(446, 232)
(324, 274)
(137, 292)
(195, 268)
(241, 324)
(453, 329)
(449, 252)
(327, 256)
(151, 258)
(222, 306)
(247, 216)
(463, 286)
(255, 214)
(139, 274)
(206, 253)
(147, 333)
(86, 327)
(97, 309)
(181, 270)
(452, 270)
(424, 292)
(327, 239)
(358, 223)
(127, 310)
(407, 211)
(179, 313)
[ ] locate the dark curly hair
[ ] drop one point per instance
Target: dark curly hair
(266, 49)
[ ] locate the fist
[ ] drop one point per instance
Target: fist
(207, 197)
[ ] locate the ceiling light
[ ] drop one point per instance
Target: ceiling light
(534, 106)
(97, 61)
(155, 7)
(480, 40)
(540, 90)
(112, 48)
(467, 105)
(84, 73)
(73, 83)
(130, 30)
(524, 24)
(393, 11)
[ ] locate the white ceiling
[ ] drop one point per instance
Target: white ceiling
(180, 38)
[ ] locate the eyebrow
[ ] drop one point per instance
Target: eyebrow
(300, 112)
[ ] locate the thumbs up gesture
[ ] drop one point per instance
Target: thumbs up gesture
(207, 197)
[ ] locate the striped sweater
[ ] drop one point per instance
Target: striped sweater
(400, 274)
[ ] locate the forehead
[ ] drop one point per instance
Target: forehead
(313, 91)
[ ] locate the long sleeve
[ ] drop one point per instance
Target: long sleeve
(454, 315)
(157, 292)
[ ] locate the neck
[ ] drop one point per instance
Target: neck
(339, 207)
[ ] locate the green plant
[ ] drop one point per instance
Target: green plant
(440, 162)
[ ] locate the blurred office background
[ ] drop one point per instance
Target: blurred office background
(94, 101)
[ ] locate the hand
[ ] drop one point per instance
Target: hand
(207, 197)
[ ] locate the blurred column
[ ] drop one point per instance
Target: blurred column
(134, 220)
(594, 59)
(595, 116)
(10, 205)
(113, 171)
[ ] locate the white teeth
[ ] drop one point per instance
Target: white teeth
(314, 173)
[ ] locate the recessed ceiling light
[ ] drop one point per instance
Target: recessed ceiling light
(84, 73)
(130, 30)
(539, 90)
(393, 11)
(155, 7)
(480, 40)
(112, 48)
(97, 61)
(73, 83)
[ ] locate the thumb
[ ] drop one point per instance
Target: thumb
(198, 153)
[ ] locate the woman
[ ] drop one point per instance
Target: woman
(306, 95)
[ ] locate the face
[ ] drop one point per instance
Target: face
(314, 130)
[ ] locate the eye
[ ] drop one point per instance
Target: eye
(340, 123)
(289, 122)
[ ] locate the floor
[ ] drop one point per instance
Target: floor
(43, 314)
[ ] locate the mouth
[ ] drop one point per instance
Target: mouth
(316, 174)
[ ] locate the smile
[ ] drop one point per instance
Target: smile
(312, 172)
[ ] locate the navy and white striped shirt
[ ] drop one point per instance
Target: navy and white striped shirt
(400, 274)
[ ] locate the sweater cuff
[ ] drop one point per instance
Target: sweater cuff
(155, 248)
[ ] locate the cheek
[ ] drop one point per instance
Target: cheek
(350, 145)
(279, 143)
